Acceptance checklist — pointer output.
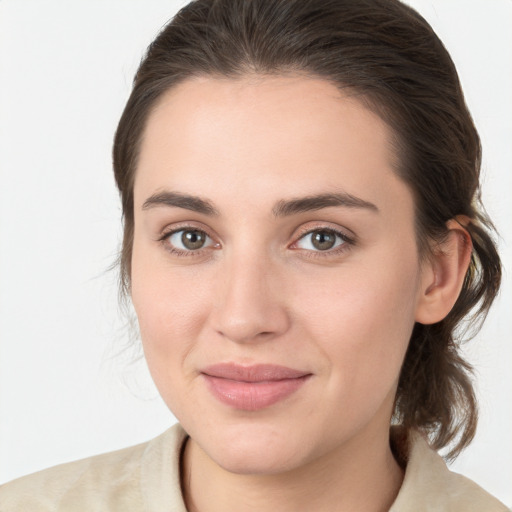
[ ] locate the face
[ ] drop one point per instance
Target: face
(275, 273)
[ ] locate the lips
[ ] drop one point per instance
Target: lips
(251, 388)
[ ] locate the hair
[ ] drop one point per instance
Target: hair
(388, 55)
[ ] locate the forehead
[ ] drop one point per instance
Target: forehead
(263, 136)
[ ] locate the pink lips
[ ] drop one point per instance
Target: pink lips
(251, 388)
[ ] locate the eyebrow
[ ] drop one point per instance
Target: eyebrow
(320, 201)
(283, 208)
(179, 200)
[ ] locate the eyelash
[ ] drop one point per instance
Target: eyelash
(347, 243)
(179, 252)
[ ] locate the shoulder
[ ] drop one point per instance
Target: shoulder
(75, 485)
(119, 480)
(429, 485)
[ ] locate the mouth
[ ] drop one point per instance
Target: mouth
(251, 388)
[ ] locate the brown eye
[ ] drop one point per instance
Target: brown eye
(193, 239)
(189, 240)
(321, 240)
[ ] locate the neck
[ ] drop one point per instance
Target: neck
(362, 475)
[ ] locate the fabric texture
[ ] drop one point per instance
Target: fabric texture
(146, 478)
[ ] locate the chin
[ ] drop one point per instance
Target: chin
(260, 461)
(253, 449)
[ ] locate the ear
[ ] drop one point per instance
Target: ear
(443, 273)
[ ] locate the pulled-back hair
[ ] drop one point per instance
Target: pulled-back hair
(388, 55)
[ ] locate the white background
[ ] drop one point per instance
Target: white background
(65, 73)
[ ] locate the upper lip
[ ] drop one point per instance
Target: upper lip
(253, 373)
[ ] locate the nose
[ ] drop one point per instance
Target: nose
(251, 301)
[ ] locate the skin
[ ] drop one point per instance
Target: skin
(258, 291)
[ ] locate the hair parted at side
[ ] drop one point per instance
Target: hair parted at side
(387, 54)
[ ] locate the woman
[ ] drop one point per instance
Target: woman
(302, 239)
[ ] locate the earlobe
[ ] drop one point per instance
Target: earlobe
(443, 274)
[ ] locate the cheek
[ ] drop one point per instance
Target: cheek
(168, 311)
(362, 319)
(171, 307)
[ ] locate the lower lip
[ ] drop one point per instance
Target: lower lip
(252, 396)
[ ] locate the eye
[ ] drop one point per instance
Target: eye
(187, 240)
(321, 240)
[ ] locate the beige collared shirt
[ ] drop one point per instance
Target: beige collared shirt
(146, 478)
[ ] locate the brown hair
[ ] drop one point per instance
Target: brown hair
(388, 55)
